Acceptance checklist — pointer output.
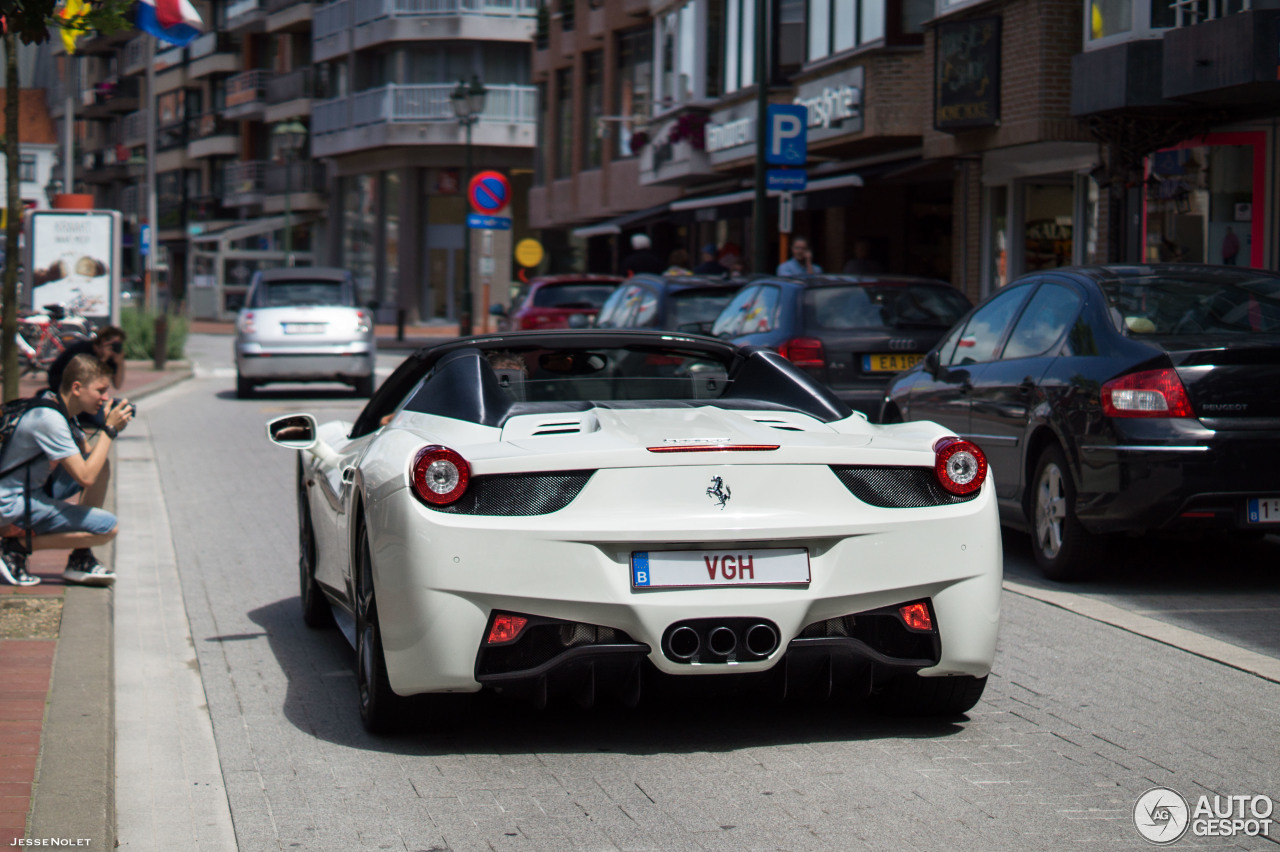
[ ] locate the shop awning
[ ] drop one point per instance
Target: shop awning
(618, 224)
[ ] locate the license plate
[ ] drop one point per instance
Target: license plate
(889, 362)
(732, 566)
(1263, 510)
(304, 328)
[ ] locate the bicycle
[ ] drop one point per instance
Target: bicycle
(42, 337)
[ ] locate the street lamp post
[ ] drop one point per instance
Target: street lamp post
(53, 189)
(468, 104)
(289, 136)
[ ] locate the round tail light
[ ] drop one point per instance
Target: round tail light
(961, 466)
(440, 475)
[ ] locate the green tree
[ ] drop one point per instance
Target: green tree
(31, 21)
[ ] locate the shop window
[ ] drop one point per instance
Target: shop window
(1204, 202)
(1049, 214)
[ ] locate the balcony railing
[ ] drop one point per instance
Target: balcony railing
(336, 17)
(171, 136)
(210, 124)
(135, 125)
(302, 176)
(413, 104)
(1191, 12)
(242, 7)
(298, 83)
(246, 88)
(205, 45)
(247, 178)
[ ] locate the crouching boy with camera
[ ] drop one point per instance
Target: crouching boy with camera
(34, 498)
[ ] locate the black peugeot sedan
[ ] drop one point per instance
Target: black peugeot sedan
(677, 302)
(1115, 399)
(850, 332)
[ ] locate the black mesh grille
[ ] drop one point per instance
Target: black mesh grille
(513, 494)
(898, 487)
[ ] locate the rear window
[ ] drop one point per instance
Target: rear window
(701, 307)
(572, 295)
(1192, 304)
(883, 306)
(281, 294)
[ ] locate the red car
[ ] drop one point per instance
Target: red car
(559, 301)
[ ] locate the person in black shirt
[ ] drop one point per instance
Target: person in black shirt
(107, 345)
(641, 258)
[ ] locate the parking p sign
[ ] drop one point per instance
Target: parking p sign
(786, 143)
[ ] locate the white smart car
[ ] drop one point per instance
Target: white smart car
(304, 324)
(577, 512)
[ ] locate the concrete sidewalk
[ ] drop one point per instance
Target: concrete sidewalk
(57, 721)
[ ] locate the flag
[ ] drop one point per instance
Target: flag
(71, 10)
(174, 21)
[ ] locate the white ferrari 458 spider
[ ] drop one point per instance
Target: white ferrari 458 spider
(584, 511)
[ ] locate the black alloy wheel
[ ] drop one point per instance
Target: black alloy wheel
(380, 709)
(316, 612)
(1064, 549)
(912, 695)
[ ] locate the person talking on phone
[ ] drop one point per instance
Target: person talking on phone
(107, 345)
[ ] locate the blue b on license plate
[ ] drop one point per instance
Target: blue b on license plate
(1263, 510)
(732, 566)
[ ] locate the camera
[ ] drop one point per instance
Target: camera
(130, 407)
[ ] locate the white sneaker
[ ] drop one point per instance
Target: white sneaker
(84, 568)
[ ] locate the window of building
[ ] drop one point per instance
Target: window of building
(740, 44)
(632, 95)
(1111, 21)
(564, 123)
(592, 108)
(1205, 201)
(838, 25)
(687, 61)
(27, 168)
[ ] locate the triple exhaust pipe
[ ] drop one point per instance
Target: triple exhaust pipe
(720, 640)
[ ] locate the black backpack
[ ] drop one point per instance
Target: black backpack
(10, 413)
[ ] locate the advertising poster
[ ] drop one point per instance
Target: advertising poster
(73, 256)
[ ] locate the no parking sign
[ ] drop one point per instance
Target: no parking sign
(489, 192)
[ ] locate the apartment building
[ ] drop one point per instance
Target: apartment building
(387, 124)
(227, 186)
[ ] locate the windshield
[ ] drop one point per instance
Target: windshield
(280, 294)
(598, 375)
(697, 307)
(572, 295)
(1194, 303)
(883, 306)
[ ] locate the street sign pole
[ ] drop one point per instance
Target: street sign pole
(760, 224)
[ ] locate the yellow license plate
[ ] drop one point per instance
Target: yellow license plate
(886, 363)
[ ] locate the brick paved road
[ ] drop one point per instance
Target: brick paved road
(1079, 719)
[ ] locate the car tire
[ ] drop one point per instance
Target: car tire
(912, 695)
(364, 386)
(316, 611)
(381, 710)
(1063, 548)
(244, 387)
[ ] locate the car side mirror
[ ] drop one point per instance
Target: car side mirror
(299, 432)
(497, 311)
(932, 363)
